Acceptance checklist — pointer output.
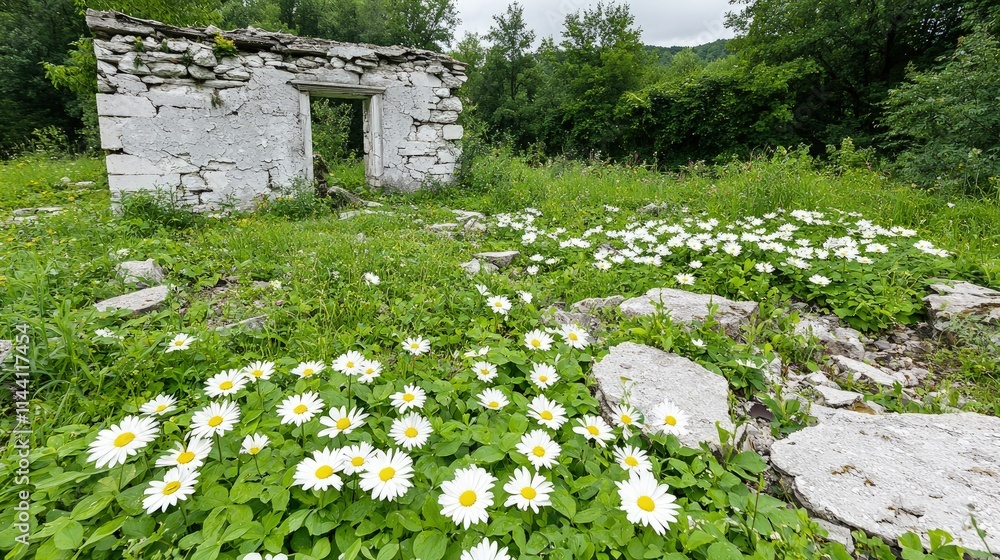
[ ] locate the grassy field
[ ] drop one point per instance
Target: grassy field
(304, 267)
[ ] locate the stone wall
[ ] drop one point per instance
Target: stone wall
(179, 115)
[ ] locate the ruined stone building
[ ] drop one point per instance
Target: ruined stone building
(220, 118)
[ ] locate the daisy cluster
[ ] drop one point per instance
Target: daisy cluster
(781, 242)
(384, 468)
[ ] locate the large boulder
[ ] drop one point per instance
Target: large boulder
(894, 473)
(962, 299)
(146, 273)
(138, 303)
(880, 376)
(687, 307)
(649, 376)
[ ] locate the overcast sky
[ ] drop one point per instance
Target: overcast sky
(664, 22)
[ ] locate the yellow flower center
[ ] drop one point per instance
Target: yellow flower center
(414, 346)
(546, 415)
(257, 373)
(358, 461)
(573, 336)
(626, 419)
(161, 408)
(543, 378)
(124, 439)
(646, 503)
(171, 487)
(386, 474)
(411, 432)
(369, 371)
(670, 421)
(254, 450)
(498, 304)
(539, 451)
(408, 397)
(214, 421)
(343, 423)
(307, 372)
(226, 385)
(324, 472)
(350, 365)
(528, 493)
(593, 430)
(484, 372)
(300, 409)
(185, 457)
(467, 498)
(494, 404)
(178, 343)
(631, 461)
(535, 342)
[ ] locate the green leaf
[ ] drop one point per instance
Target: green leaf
(352, 551)
(69, 537)
(430, 545)
(911, 541)
(697, 538)
(406, 518)
(487, 454)
(91, 506)
(563, 502)
(724, 550)
(388, 551)
(749, 461)
(589, 515)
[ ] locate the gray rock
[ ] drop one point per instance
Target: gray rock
(836, 339)
(53, 210)
(819, 378)
(855, 369)
(466, 215)
(895, 473)
(6, 348)
(838, 533)
(138, 303)
(960, 299)
(146, 272)
(499, 258)
(443, 228)
(654, 208)
(475, 267)
(649, 376)
(686, 307)
(473, 225)
(555, 317)
(836, 398)
(252, 324)
(596, 304)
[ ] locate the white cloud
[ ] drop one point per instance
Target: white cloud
(663, 22)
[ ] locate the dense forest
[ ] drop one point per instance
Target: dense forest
(912, 86)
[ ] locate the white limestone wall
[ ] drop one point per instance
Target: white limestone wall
(214, 132)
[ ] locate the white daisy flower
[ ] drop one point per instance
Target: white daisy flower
(483, 290)
(417, 345)
(215, 419)
(526, 297)
(308, 369)
(411, 430)
(764, 267)
(465, 498)
(160, 404)
(819, 280)
(532, 270)
(646, 501)
(540, 449)
(370, 370)
(499, 304)
(697, 342)
(226, 383)
(180, 342)
(298, 409)
(177, 484)
(411, 396)
(387, 474)
(632, 458)
(354, 458)
(340, 421)
(257, 556)
(684, 279)
(477, 353)
(486, 550)
(319, 472)
(574, 336)
(538, 340)
(626, 417)
(543, 375)
(349, 363)
(527, 490)
(372, 279)
(190, 456)
(485, 371)
(595, 428)
(116, 444)
(548, 413)
(258, 371)
(669, 419)
(493, 399)
(695, 264)
(107, 333)
(254, 444)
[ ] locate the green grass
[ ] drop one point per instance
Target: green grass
(319, 306)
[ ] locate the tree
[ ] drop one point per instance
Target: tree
(510, 54)
(423, 24)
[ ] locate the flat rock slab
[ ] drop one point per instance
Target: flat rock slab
(499, 259)
(836, 339)
(962, 298)
(475, 267)
(650, 376)
(592, 305)
(837, 398)
(687, 307)
(139, 302)
(146, 272)
(895, 473)
(40, 210)
(855, 369)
